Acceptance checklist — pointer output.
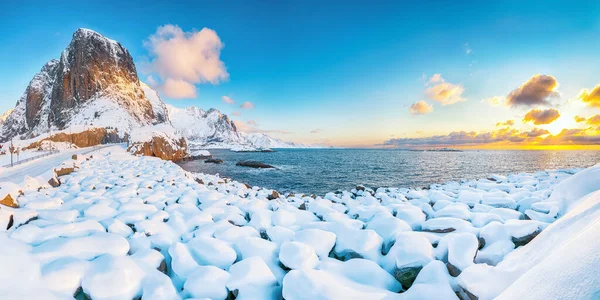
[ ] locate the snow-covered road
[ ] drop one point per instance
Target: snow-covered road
(38, 167)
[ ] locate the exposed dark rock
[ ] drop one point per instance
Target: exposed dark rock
(163, 266)
(213, 161)
(11, 221)
(481, 243)
(442, 230)
(464, 294)
(253, 164)
(524, 240)
(406, 276)
(453, 270)
(346, 255)
(264, 235)
(54, 182)
(74, 157)
(274, 195)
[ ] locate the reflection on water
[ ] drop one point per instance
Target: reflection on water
(324, 170)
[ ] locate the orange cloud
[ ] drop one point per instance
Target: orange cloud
(458, 138)
(594, 120)
(579, 119)
(444, 92)
(420, 108)
(535, 91)
(591, 98)
(539, 117)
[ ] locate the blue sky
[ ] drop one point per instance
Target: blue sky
(347, 71)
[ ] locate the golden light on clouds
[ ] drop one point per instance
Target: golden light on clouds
(536, 91)
(495, 101)
(540, 117)
(420, 108)
(591, 98)
(444, 92)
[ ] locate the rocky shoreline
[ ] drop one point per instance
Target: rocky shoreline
(142, 227)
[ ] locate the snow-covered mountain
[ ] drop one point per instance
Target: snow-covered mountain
(212, 129)
(205, 129)
(93, 83)
(263, 140)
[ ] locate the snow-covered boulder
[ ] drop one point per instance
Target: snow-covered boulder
(296, 255)
(207, 282)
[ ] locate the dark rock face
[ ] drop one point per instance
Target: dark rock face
(36, 92)
(253, 164)
(91, 67)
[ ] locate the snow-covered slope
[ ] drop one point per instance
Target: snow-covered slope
(205, 129)
(212, 129)
(263, 140)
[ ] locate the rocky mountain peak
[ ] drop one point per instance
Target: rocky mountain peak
(94, 82)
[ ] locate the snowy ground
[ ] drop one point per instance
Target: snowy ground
(37, 167)
(5, 159)
(121, 227)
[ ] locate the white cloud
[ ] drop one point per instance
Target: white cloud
(228, 100)
(247, 105)
(236, 113)
(191, 57)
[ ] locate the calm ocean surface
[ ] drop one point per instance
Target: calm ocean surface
(320, 171)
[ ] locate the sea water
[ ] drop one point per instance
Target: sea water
(320, 171)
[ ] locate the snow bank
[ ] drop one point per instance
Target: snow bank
(124, 226)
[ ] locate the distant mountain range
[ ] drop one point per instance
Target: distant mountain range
(94, 83)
